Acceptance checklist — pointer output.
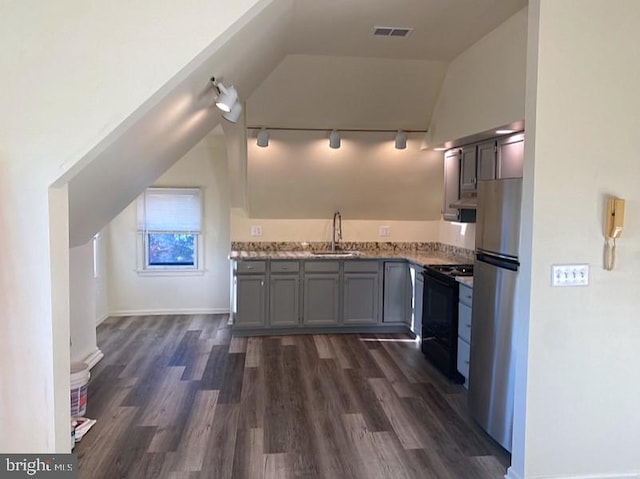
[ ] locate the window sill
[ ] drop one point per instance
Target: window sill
(170, 272)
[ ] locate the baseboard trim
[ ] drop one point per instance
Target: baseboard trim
(101, 319)
(511, 474)
(93, 358)
(160, 312)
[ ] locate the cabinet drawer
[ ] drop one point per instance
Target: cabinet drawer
(285, 266)
(251, 267)
(321, 266)
(464, 322)
(463, 358)
(466, 295)
(357, 266)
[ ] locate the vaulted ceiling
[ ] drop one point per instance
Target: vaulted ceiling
(146, 144)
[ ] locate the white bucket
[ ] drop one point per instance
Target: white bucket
(79, 383)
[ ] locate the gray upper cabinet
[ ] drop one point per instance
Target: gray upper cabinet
(510, 156)
(250, 300)
(451, 185)
(361, 292)
(397, 293)
(468, 169)
(487, 160)
(284, 300)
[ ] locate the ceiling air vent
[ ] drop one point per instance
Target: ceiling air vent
(391, 31)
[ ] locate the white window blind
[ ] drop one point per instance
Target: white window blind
(170, 210)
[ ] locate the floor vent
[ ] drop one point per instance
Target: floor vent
(391, 31)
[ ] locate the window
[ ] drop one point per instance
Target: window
(169, 223)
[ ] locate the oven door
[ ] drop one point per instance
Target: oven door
(440, 325)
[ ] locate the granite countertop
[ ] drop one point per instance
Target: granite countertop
(416, 257)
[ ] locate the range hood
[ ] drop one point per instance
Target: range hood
(465, 203)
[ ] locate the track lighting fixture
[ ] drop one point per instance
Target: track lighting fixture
(227, 96)
(263, 138)
(401, 140)
(234, 114)
(334, 139)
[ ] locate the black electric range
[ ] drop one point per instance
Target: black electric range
(440, 316)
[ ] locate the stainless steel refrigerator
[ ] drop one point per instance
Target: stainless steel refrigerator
(491, 365)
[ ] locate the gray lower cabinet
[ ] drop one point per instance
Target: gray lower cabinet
(464, 330)
(250, 301)
(397, 293)
(361, 298)
(284, 300)
(321, 299)
(417, 279)
(321, 296)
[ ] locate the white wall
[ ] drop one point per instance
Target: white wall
(82, 303)
(579, 408)
(323, 91)
(88, 298)
(204, 166)
(298, 177)
(101, 281)
(484, 86)
(318, 230)
(72, 72)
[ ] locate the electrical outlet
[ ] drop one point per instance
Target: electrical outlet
(384, 230)
(256, 231)
(569, 275)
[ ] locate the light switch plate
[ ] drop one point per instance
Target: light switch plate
(256, 231)
(384, 230)
(570, 275)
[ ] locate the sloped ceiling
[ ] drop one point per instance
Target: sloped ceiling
(172, 122)
(162, 130)
(442, 29)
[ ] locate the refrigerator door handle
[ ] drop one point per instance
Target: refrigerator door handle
(499, 261)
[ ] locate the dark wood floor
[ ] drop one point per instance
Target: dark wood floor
(179, 397)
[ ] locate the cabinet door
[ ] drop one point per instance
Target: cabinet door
(468, 165)
(487, 160)
(284, 303)
(321, 300)
(451, 185)
(360, 298)
(397, 294)
(511, 156)
(418, 292)
(463, 357)
(464, 322)
(251, 301)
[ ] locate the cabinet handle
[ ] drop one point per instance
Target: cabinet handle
(467, 361)
(469, 326)
(249, 267)
(262, 283)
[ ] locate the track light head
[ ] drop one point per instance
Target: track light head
(401, 140)
(334, 139)
(234, 114)
(263, 138)
(227, 96)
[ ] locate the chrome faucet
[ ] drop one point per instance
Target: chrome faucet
(337, 221)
